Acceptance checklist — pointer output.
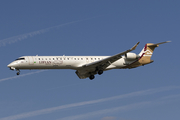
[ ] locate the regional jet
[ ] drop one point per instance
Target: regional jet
(88, 66)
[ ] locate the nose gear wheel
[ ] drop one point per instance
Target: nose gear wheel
(18, 72)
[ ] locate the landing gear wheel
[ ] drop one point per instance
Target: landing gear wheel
(91, 77)
(100, 72)
(18, 71)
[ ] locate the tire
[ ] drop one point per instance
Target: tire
(100, 72)
(91, 77)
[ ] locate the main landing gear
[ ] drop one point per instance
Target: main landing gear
(100, 72)
(91, 77)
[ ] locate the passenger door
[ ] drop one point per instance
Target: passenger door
(31, 60)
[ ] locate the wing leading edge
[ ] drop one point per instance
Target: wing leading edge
(93, 68)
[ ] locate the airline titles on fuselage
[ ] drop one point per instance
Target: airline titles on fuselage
(44, 62)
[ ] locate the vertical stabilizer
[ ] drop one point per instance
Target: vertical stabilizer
(147, 52)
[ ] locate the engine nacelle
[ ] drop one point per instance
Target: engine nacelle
(131, 56)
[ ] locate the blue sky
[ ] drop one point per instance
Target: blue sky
(90, 27)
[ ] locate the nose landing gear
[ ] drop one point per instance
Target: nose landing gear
(18, 71)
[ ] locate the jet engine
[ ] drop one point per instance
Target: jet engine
(131, 56)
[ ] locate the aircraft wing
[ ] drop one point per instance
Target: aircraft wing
(92, 68)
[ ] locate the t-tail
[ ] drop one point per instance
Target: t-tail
(147, 51)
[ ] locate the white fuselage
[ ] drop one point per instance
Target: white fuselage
(87, 66)
(62, 62)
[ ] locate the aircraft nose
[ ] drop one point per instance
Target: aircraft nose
(13, 64)
(9, 65)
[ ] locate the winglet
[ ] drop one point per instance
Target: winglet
(134, 47)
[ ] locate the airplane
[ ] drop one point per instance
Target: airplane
(88, 66)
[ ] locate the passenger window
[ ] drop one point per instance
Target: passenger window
(67, 58)
(39, 59)
(81, 58)
(53, 58)
(49, 58)
(78, 58)
(42, 58)
(74, 58)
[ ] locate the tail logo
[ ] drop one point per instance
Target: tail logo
(148, 53)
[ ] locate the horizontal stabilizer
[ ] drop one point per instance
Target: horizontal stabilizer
(156, 45)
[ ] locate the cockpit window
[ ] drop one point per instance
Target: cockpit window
(20, 59)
